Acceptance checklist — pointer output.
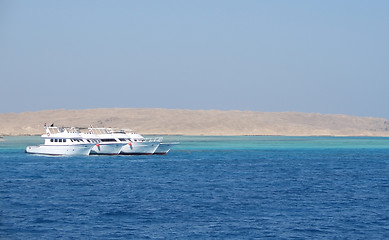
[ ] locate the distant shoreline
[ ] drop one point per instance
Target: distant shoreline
(181, 122)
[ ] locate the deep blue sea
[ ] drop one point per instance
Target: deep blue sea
(251, 187)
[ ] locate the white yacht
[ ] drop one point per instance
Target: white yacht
(137, 144)
(108, 143)
(61, 141)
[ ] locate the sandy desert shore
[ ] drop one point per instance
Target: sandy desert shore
(196, 122)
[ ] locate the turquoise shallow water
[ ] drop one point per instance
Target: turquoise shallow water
(206, 187)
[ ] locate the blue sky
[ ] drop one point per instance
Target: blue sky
(271, 56)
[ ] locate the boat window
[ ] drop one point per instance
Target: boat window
(51, 140)
(55, 140)
(108, 140)
(64, 140)
(122, 139)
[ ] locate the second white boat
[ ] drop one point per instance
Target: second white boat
(136, 144)
(108, 143)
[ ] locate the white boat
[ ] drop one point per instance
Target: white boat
(61, 141)
(108, 143)
(164, 148)
(137, 144)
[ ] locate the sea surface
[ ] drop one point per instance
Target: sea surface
(251, 187)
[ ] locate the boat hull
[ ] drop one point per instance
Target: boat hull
(106, 149)
(164, 148)
(139, 148)
(82, 149)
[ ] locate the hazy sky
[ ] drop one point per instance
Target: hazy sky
(271, 56)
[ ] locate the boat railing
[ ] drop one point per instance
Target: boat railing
(98, 131)
(156, 139)
(72, 130)
(54, 130)
(112, 131)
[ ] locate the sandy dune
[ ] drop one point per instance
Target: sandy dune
(197, 122)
